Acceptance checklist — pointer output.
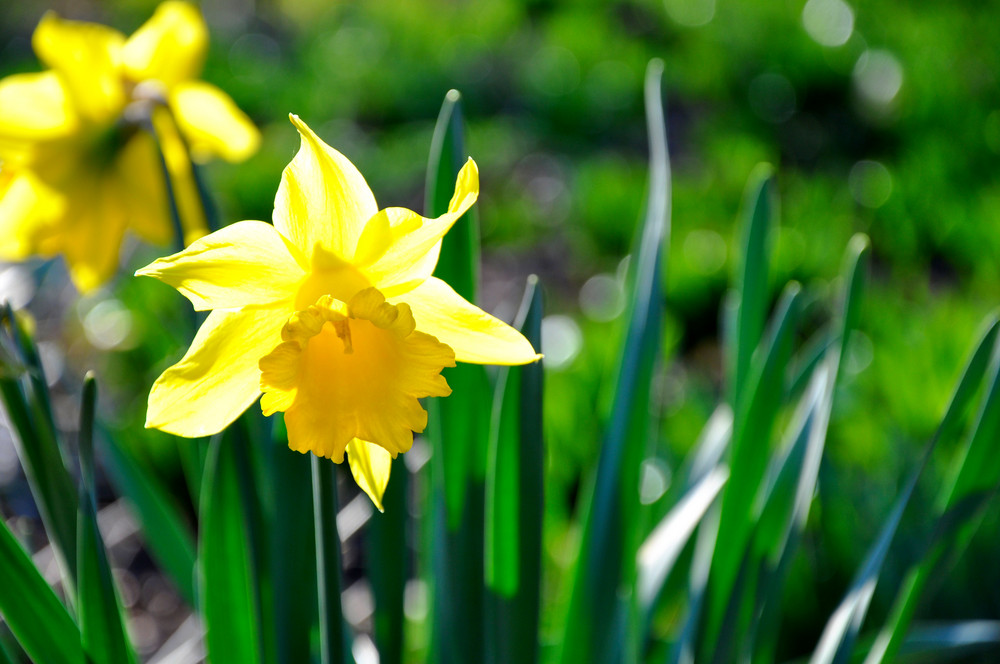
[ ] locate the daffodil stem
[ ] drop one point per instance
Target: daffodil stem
(168, 186)
(332, 642)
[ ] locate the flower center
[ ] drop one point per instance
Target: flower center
(353, 371)
(340, 281)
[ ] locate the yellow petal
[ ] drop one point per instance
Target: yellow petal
(170, 47)
(370, 465)
(87, 56)
(212, 123)
(185, 188)
(322, 198)
(92, 235)
(475, 335)
(28, 212)
(218, 378)
(399, 247)
(246, 263)
(35, 107)
(356, 371)
(143, 190)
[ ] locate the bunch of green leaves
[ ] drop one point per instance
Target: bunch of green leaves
(704, 583)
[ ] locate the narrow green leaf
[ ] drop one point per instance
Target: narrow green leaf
(710, 447)
(750, 451)
(99, 607)
(759, 213)
(164, 529)
(36, 617)
(938, 642)
(837, 641)
(983, 433)
(331, 618)
(855, 273)
(293, 552)
(226, 594)
(604, 572)
(27, 403)
(515, 500)
(685, 649)
(458, 427)
(388, 561)
(252, 463)
(786, 502)
(664, 545)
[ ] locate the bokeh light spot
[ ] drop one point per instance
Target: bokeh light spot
(691, 13)
(654, 479)
(828, 22)
(870, 183)
(602, 298)
(705, 251)
(878, 76)
(561, 340)
(108, 325)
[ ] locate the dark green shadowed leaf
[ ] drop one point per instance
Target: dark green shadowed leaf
(168, 537)
(787, 499)
(663, 547)
(333, 645)
(956, 521)
(943, 642)
(293, 548)
(26, 399)
(36, 617)
(458, 426)
(750, 451)
(99, 607)
(388, 562)
(225, 571)
(601, 600)
(515, 500)
(759, 213)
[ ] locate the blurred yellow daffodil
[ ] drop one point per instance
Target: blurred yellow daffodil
(332, 313)
(76, 168)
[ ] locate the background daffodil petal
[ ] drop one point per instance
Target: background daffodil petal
(398, 246)
(218, 378)
(87, 56)
(95, 223)
(474, 335)
(212, 123)
(34, 107)
(28, 212)
(246, 263)
(370, 464)
(170, 47)
(139, 170)
(322, 198)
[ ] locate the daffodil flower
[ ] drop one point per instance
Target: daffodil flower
(332, 313)
(76, 170)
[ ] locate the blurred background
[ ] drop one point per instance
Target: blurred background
(881, 117)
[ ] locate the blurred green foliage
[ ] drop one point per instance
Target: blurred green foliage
(894, 132)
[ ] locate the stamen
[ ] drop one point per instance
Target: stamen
(344, 332)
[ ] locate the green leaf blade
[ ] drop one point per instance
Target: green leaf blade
(599, 608)
(99, 606)
(515, 500)
(458, 426)
(37, 619)
(226, 576)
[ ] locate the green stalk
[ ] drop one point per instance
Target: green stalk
(333, 646)
(458, 428)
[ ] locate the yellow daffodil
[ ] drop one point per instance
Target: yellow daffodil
(76, 169)
(332, 313)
